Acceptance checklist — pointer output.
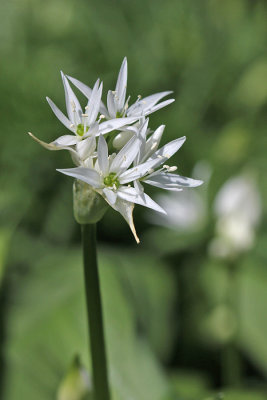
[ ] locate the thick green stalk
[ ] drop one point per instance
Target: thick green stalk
(94, 313)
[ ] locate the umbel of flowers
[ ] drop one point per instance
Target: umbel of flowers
(115, 153)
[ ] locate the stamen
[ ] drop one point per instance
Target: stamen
(73, 106)
(172, 169)
(127, 102)
(150, 171)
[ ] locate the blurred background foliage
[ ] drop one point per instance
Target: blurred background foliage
(181, 323)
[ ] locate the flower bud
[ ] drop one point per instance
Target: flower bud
(88, 206)
(121, 139)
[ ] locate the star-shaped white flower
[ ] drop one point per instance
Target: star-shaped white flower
(118, 177)
(163, 177)
(118, 105)
(111, 177)
(81, 124)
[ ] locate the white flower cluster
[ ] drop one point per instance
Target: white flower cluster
(112, 147)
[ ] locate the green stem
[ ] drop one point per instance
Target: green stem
(94, 313)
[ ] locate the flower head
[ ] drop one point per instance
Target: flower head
(83, 124)
(118, 103)
(119, 177)
(115, 167)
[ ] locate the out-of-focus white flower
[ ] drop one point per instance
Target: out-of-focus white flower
(186, 211)
(237, 208)
(118, 105)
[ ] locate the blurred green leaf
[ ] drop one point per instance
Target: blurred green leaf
(189, 385)
(150, 287)
(253, 300)
(247, 394)
(46, 326)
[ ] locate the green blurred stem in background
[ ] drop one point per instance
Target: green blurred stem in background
(94, 313)
(231, 357)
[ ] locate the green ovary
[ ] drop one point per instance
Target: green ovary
(119, 114)
(112, 180)
(81, 130)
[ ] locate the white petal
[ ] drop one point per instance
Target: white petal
(160, 185)
(93, 130)
(121, 84)
(141, 106)
(110, 195)
(102, 153)
(52, 146)
(167, 151)
(138, 171)
(121, 139)
(131, 195)
(88, 163)
(94, 103)
(153, 142)
(171, 181)
(65, 140)
(71, 101)
(86, 175)
(125, 208)
(111, 104)
(59, 114)
(125, 156)
(87, 91)
(142, 136)
(158, 106)
(116, 123)
(86, 147)
(138, 187)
